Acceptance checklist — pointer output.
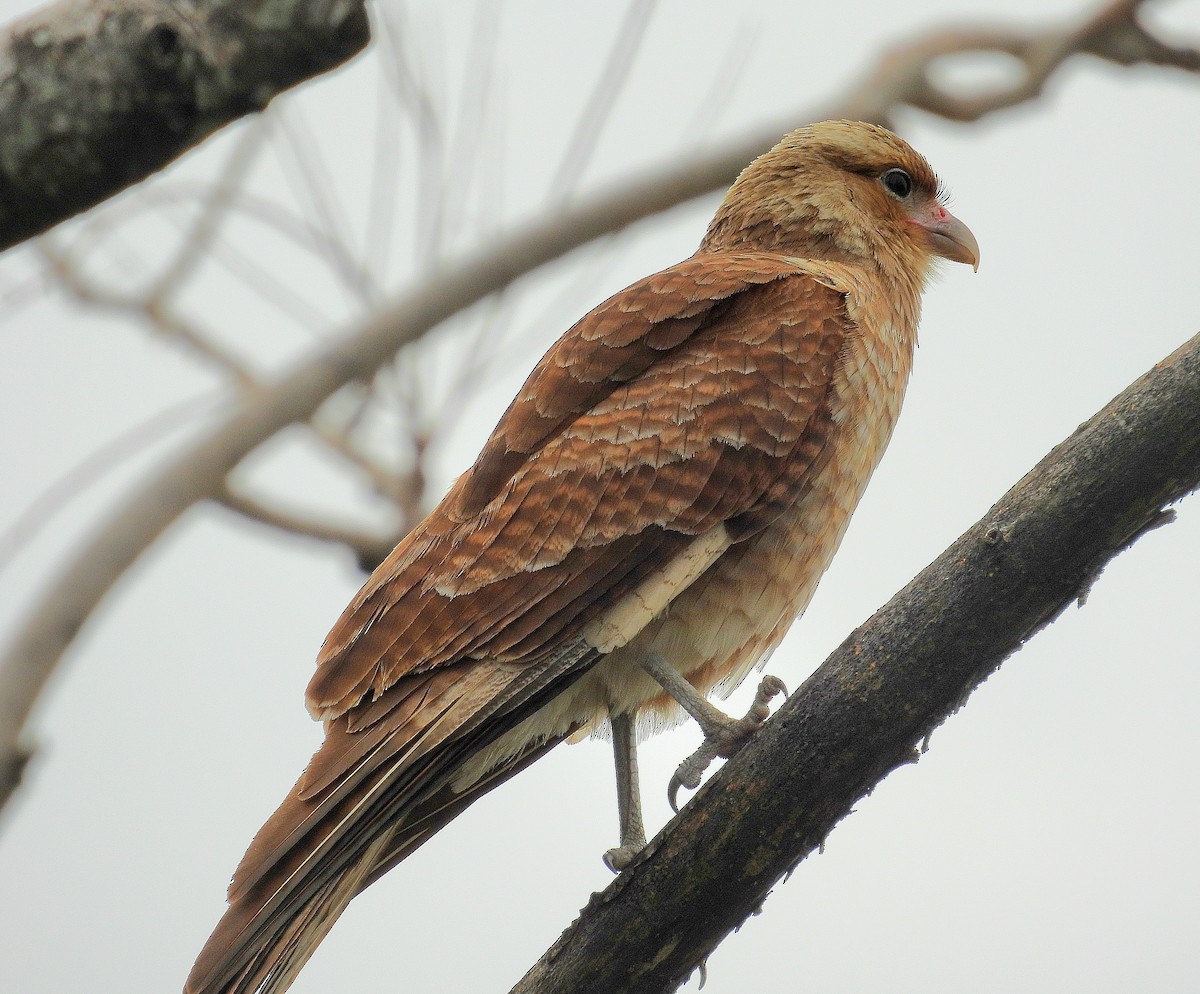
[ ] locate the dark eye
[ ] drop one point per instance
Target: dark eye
(898, 182)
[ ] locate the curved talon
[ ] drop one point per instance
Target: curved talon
(724, 741)
(691, 770)
(673, 786)
(760, 710)
(619, 858)
(770, 687)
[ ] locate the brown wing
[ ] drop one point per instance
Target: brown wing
(666, 409)
(697, 397)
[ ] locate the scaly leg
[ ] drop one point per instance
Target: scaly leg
(723, 735)
(629, 795)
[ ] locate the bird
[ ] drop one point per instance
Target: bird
(648, 518)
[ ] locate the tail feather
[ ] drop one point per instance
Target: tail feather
(319, 850)
(259, 946)
(345, 774)
(275, 966)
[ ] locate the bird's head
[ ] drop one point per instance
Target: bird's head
(843, 191)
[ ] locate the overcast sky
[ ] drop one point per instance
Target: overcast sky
(1047, 840)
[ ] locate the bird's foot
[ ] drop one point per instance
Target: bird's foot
(619, 858)
(723, 737)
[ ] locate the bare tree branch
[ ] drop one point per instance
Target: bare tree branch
(589, 125)
(1113, 34)
(199, 472)
(219, 200)
(154, 310)
(867, 708)
(95, 465)
(371, 548)
(97, 95)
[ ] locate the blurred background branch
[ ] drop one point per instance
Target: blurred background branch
(97, 96)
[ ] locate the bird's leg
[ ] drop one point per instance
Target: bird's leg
(629, 794)
(723, 735)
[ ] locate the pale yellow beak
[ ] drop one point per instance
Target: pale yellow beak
(949, 238)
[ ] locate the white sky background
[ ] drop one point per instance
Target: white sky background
(1045, 843)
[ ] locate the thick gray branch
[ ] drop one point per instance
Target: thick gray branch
(886, 687)
(95, 95)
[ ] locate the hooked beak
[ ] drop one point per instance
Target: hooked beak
(948, 237)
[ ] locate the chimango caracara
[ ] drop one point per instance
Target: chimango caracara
(648, 518)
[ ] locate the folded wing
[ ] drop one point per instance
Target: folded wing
(697, 398)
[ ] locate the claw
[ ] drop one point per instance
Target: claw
(769, 688)
(691, 770)
(619, 858)
(725, 740)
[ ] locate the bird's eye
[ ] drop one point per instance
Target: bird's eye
(897, 182)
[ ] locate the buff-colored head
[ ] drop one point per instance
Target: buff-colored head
(843, 191)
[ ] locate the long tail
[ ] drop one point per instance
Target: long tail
(269, 960)
(369, 798)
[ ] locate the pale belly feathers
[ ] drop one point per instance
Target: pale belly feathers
(718, 610)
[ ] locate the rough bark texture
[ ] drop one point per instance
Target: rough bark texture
(97, 94)
(887, 686)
